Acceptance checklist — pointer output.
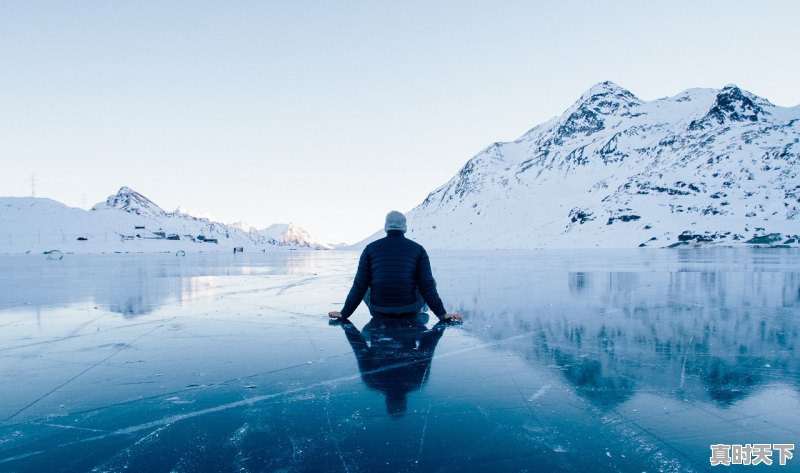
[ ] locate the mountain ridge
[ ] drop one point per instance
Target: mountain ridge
(706, 166)
(127, 221)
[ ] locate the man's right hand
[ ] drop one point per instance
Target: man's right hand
(335, 315)
(453, 316)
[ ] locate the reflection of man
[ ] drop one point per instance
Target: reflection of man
(394, 277)
(394, 356)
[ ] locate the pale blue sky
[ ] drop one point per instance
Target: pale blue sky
(329, 114)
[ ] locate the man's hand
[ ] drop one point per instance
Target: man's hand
(335, 315)
(452, 316)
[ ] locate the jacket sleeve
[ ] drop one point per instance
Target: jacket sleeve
(360, 285)
(427, 285)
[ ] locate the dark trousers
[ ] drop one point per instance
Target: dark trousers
(421, 306)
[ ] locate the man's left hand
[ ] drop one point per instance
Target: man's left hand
(335, 314)
(452, 316)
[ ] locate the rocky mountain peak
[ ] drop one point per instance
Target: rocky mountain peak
(607, 98)
(731, 105)
(735, 105)
(588, 114)
(606, 87)
(128, 200)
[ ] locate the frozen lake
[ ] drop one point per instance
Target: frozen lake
(567, 361)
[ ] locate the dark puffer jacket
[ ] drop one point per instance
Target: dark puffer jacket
(393, 268)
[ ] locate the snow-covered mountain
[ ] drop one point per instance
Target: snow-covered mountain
(287, 234)
(704, 167)
(129, 221)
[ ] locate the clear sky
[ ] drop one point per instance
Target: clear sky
(331, 113)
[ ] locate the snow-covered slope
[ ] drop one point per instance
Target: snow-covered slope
(128, 221)
(704, 167)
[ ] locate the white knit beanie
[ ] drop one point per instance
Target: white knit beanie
(395, 221)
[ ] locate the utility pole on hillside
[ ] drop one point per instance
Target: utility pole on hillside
(33, 185)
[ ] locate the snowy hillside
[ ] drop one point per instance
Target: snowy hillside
(128, 221)
(704, 167)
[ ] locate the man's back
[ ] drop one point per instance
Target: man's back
(393, 262)
(393, 268)
(394, 277)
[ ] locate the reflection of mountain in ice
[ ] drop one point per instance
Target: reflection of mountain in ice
(698, 326)
(131, 284)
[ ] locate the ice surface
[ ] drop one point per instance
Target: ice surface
(567, 361)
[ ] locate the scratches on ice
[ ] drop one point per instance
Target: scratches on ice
(94, 365)
(72, 337)
(295, 284)
(70, 427)
(683, 367)
(540, 392)
(21, 457)
(167, 421)
(332, 433)
(422, 438)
